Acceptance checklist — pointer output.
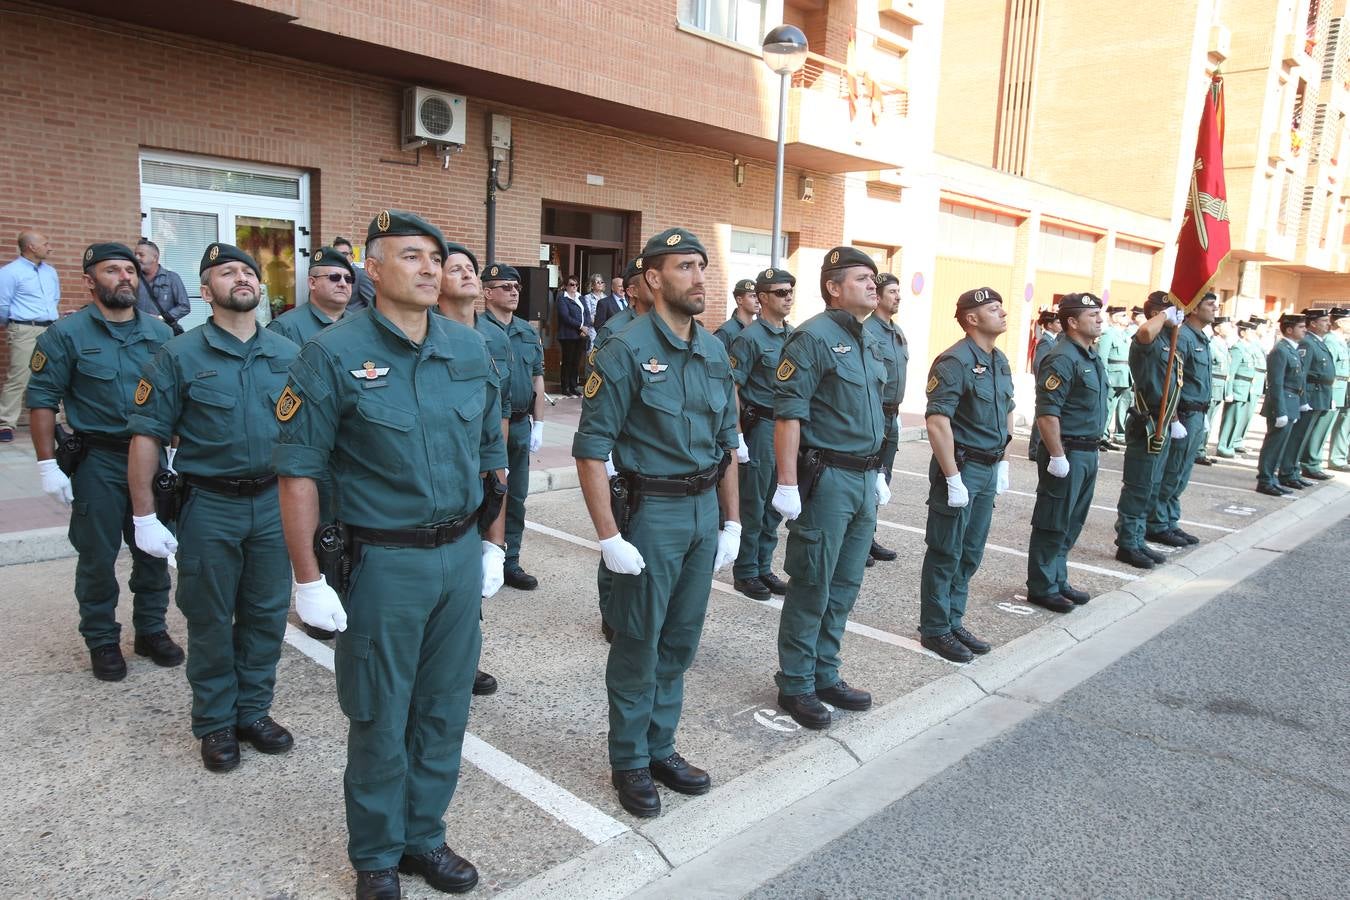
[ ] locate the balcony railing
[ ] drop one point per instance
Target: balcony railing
(869, 97)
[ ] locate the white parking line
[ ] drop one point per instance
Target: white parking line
(557, 801)
(999, 548)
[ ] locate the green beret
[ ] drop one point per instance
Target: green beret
(844, 257)
(632, 270)
(97, 253)
(500, 272)
(769, 277)
(673, 240)
(218, 254)
(452, 247)
(396, 222)
(329, 256)
(1076, 303)
(977, 297)
(744, 286)
(886, 278)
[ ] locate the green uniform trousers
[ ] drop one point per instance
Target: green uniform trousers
(1273, 450)
(234, 590)
(405, 668)
(1310, 455)
(657, 617)
(827, 551)
(1117, 404)
(1300, 433)
(1211, 427)
(517, 488)
(100, 519)
(1034, 441)
(1339, 454)
(1140, 481)
(759, 520)
(1176, 473)
(1232, 426)
(955, 539)
(1062, 506)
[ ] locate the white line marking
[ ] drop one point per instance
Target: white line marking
(1123, 576)
(562, 804)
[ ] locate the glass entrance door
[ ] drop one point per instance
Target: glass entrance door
(272, 243)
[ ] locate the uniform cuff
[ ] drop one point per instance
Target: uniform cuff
(294, 461)
(139, 424)
(589, 446)
(792, 408)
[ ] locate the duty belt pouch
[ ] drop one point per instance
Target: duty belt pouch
(170, 491)
(959, 453)
(809, 468)
(749, 416)
(335, 562)
(494, 495)
(622, 503)
(70, 450)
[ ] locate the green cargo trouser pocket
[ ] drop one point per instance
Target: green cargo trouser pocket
(355, 676)
(631, 607)
(805, 555)
(1052, 508)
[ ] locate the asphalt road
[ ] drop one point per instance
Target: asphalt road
(1213, 760)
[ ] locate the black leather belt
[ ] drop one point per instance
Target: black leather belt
(427, 538)
(1118, 362)
(41, 323)
(233, 487)
(849, 461)
(106, 442)
(673, 485)
(979, 456)
(1243, 378)
(1323, 381)
(1081, 443)
(520, 416)
(1192, 407)
(891, 410)
(759, 412)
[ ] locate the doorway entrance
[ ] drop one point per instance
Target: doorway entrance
(584, 241)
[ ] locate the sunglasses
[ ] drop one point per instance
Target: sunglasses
(335, 277)
(781, 293)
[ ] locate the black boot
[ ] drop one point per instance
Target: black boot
(160, 648)
(882, 554)
(442, 868)
(220, 750)
(637, 792)
(108, 663)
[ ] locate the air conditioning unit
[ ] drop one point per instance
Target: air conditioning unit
(433, 117)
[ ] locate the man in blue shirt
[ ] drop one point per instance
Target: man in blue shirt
(161, 292)
(30, 292)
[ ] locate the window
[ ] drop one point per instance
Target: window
(1067, 251)
(756, 243)
(738, 21)
(1133, 263)
(886, 258)
(978, 234)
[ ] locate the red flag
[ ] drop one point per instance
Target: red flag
(1203, 243)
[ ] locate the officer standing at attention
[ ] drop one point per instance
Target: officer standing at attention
(1193, 358)
(747, 307)
(969, 418)
(91, 362)
(1282, 406)
(363, 292)
(895, 351)
(214, 388)
(662, 401)
(1072, 398)
(1242, 390)
(1319, 362)
(524, 384)
(827, 439)
(1049, 324)
(331, 277)
(1114, 349)
(754, 360)
(1221, 389)
(405, 405)
(1338, 456)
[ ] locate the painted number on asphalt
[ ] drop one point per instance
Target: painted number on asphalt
(1239, 510)
(1015, 609)
(774, 720)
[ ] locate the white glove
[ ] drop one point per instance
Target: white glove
(1174, 315)
(54, 481)
(957, 495)
(897, 423)
(494, 562)
(153, 538)
(1177, 431)
(318, 605)
(609, 466)
(1305, 408)
(1229, 398)
(169, 454)
(1059, 466)
(621, 557)
(1281, 421)
(1001, 477)
(728, 545)
(536, 435)
(742, 451)
(883, 490)
(788, 501)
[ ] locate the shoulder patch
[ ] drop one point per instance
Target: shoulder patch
(932, 384)
(593, 385)
(38, 362)
(786, 370)
(733, 360)
(590, 357)
(142, 394)
(288, 404)
(1052, 382)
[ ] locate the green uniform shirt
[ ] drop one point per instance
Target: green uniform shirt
(1242, 370)
(499, 348)
(612, 326)
(1340, 354)
(1319, 367)
(1258, 355)
(754, 359)
(663, 406)
(1148, 368)
(1043, 345)
(973, 389)
(1198, 372)
(526, 359)
(1114, 349)
(830, 378)
(729, 331)
(406, 429)
(895, 353)
(219, 395)
(93, 366)
(302, 323)
(1284, 394)
(1072, 386)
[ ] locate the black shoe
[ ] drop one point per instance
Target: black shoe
(676, 773)
(1052, 602)
(948, 646)
(607, 631)
(882, 554)
(1137, 558)
(1316, 475)
(841, 696)
(267, 736)
(637, 792)
(220, 750)
(1074, 596)
(870, 562)
(753, 588)
(973, 644)
(320, 634)
(442, 868)
(1166, 538)
(775, 584)
(108, 663)
(1203, 461)
(160, 648)
(521, 580)
(1186, 536)
(806, 710)
(1270, 490)
(381, 884)
(1293, 483)
(484, 684)
(1158, 558)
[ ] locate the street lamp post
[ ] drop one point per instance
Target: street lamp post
(784, 53)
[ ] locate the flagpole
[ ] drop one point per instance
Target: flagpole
(1167, 383)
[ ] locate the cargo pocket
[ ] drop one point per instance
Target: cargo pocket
(355, 678)
(631, 609)
(805, 555)
(1051, 512)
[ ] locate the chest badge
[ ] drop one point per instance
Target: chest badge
(370, 371)
(655, 367)
(841, 347)
(981, 369)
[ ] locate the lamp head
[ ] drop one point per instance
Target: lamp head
(785, 49)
